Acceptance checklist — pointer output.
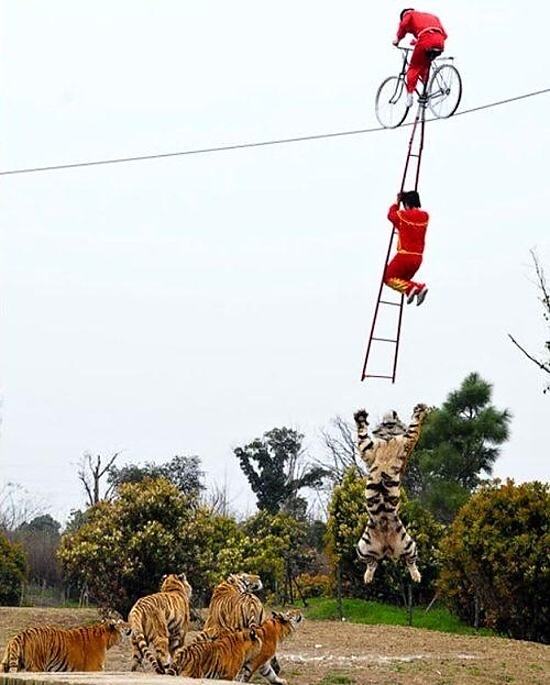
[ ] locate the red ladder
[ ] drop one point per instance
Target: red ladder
(418, 126)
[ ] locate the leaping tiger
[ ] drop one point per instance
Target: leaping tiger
(386, 455)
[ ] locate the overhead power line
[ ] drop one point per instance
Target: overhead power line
(262, 143)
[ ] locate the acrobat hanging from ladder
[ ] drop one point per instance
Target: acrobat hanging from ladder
(410, 223)
(442, 93)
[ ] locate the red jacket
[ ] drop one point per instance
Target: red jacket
(416, 22)
(411, 224)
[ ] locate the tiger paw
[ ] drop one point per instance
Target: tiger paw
(369, 575)
(361, 417)
(415, 574)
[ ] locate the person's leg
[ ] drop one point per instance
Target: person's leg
(417, 66)
(399, 272)
(430, 41)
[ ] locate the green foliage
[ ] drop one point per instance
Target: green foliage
(315, 585)
(272, 467)
(459, 442)
(12, 572)
(126, 545)
(183, 472)
(377, 613)
(347, 519)
(496, 553)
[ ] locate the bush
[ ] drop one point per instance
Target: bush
(12, 572)
(319, 585)
(495, 560)
(124, 547)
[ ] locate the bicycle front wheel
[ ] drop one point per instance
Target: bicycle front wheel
(391, 102)
(445, 91)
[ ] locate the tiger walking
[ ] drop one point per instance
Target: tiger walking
(386, 456)
(50, 648)
(159, 623)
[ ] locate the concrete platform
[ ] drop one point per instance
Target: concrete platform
(101, 679)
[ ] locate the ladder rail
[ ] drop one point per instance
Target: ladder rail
(419, 125)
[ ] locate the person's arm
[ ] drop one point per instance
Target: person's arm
(392, 213)
(402, 29)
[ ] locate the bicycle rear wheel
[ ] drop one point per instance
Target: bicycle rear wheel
(391, 102)
(445, 91)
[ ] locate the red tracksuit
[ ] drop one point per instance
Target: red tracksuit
(411, 225)
(429, 34)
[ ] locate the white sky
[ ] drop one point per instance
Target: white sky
(188, 305)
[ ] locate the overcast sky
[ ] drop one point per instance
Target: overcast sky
(185, 306)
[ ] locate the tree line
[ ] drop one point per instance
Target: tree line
(481, 543)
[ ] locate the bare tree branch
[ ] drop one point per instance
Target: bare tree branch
(545, 300)
(541, 365)
(90, 474)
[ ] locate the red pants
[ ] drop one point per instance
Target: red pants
(419, 66)
(400, 270)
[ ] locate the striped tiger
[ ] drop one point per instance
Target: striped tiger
(50, 648)
(220, 658)
(159, 623)
(234, 605)
(386, 455)
(272, 631)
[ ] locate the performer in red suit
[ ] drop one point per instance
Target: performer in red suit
(411, 223)
(429, 35)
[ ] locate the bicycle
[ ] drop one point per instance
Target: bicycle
(442, 94)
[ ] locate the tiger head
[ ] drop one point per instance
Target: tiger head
(291, 618)
(115, 625)
(176, 583)
(390, 427)
(246, 582)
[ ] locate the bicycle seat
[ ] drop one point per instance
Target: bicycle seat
(433, 53)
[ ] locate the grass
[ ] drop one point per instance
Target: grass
(336, 679)
(376, 613)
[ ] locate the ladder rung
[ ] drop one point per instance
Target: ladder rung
(413, 155)
(394, 304)
(385, 340)
(373, 375)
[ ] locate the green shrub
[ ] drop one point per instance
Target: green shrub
(495, 560)
(319, 585)
(12, 572)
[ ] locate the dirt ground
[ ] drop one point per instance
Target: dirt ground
(332, 653)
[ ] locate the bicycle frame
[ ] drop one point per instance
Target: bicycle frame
(442, 90)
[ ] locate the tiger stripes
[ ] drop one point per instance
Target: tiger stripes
(386, 457)
(51, 648)
(272, 631)
(159, 623)
(222, 657)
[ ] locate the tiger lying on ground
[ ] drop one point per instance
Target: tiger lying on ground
(386, 455)
(220, 658)
(49, 648)
(159, 623)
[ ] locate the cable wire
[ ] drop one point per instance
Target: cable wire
(262, 143)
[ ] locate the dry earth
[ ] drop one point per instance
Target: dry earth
(331, 653)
